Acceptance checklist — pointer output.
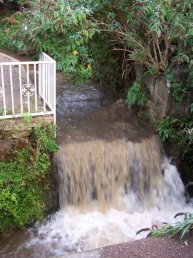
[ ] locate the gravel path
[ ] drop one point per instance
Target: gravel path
(162, 247)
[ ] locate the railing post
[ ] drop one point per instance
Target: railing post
(11, 85)
(3, 91)
(35, 85)
(28, 95)
(20, 89)
(54, 87)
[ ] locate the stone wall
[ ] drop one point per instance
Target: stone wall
(14, 133)
(162, 103)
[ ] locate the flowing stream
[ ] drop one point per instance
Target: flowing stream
(112, 174)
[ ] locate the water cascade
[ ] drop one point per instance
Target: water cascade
(107, 173)
(113, 179)
(109, 191)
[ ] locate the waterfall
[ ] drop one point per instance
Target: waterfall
(113, 178)
(108, 191)
(108, 172)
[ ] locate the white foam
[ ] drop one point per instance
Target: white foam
(70, 230)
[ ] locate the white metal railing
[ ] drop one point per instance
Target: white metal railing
(28, 88)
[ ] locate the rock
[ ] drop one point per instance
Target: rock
(162, 102)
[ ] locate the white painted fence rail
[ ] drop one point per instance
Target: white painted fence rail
(28, 88)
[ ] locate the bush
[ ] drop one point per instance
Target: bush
(69, 32)
(9, 26)
(23, 183)
(180, 133)
(63, 30)
(136, 95)
(109, 38)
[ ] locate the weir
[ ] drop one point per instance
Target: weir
(112, 182)
(113, 178)
(108, 171)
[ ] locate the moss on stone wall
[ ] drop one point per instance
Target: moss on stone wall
(26, 177)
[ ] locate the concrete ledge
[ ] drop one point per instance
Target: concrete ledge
(161, 247)
(88, 254)
(20, 127)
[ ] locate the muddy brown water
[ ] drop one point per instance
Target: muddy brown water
(84, 112)
(110, 174)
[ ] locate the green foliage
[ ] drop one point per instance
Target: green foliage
(156, 33)
(166, 128)
(67, 30)
(62, 29)
(136, 95)
(108, 39)
(9, 27)
(81, 34)
(23, 183)
(179, 132)
(27, 118)
(45, 137)
(5, 37)
(178, 89)
(179, 228)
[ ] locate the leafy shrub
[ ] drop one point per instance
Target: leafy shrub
(9, 26)
(153, 33)
(62, 29)
(45, 137)
(136, 95)
(23, 183)
(166, 128)
(179, 132)
(157, 34)
(69, 32)
(108, 39)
